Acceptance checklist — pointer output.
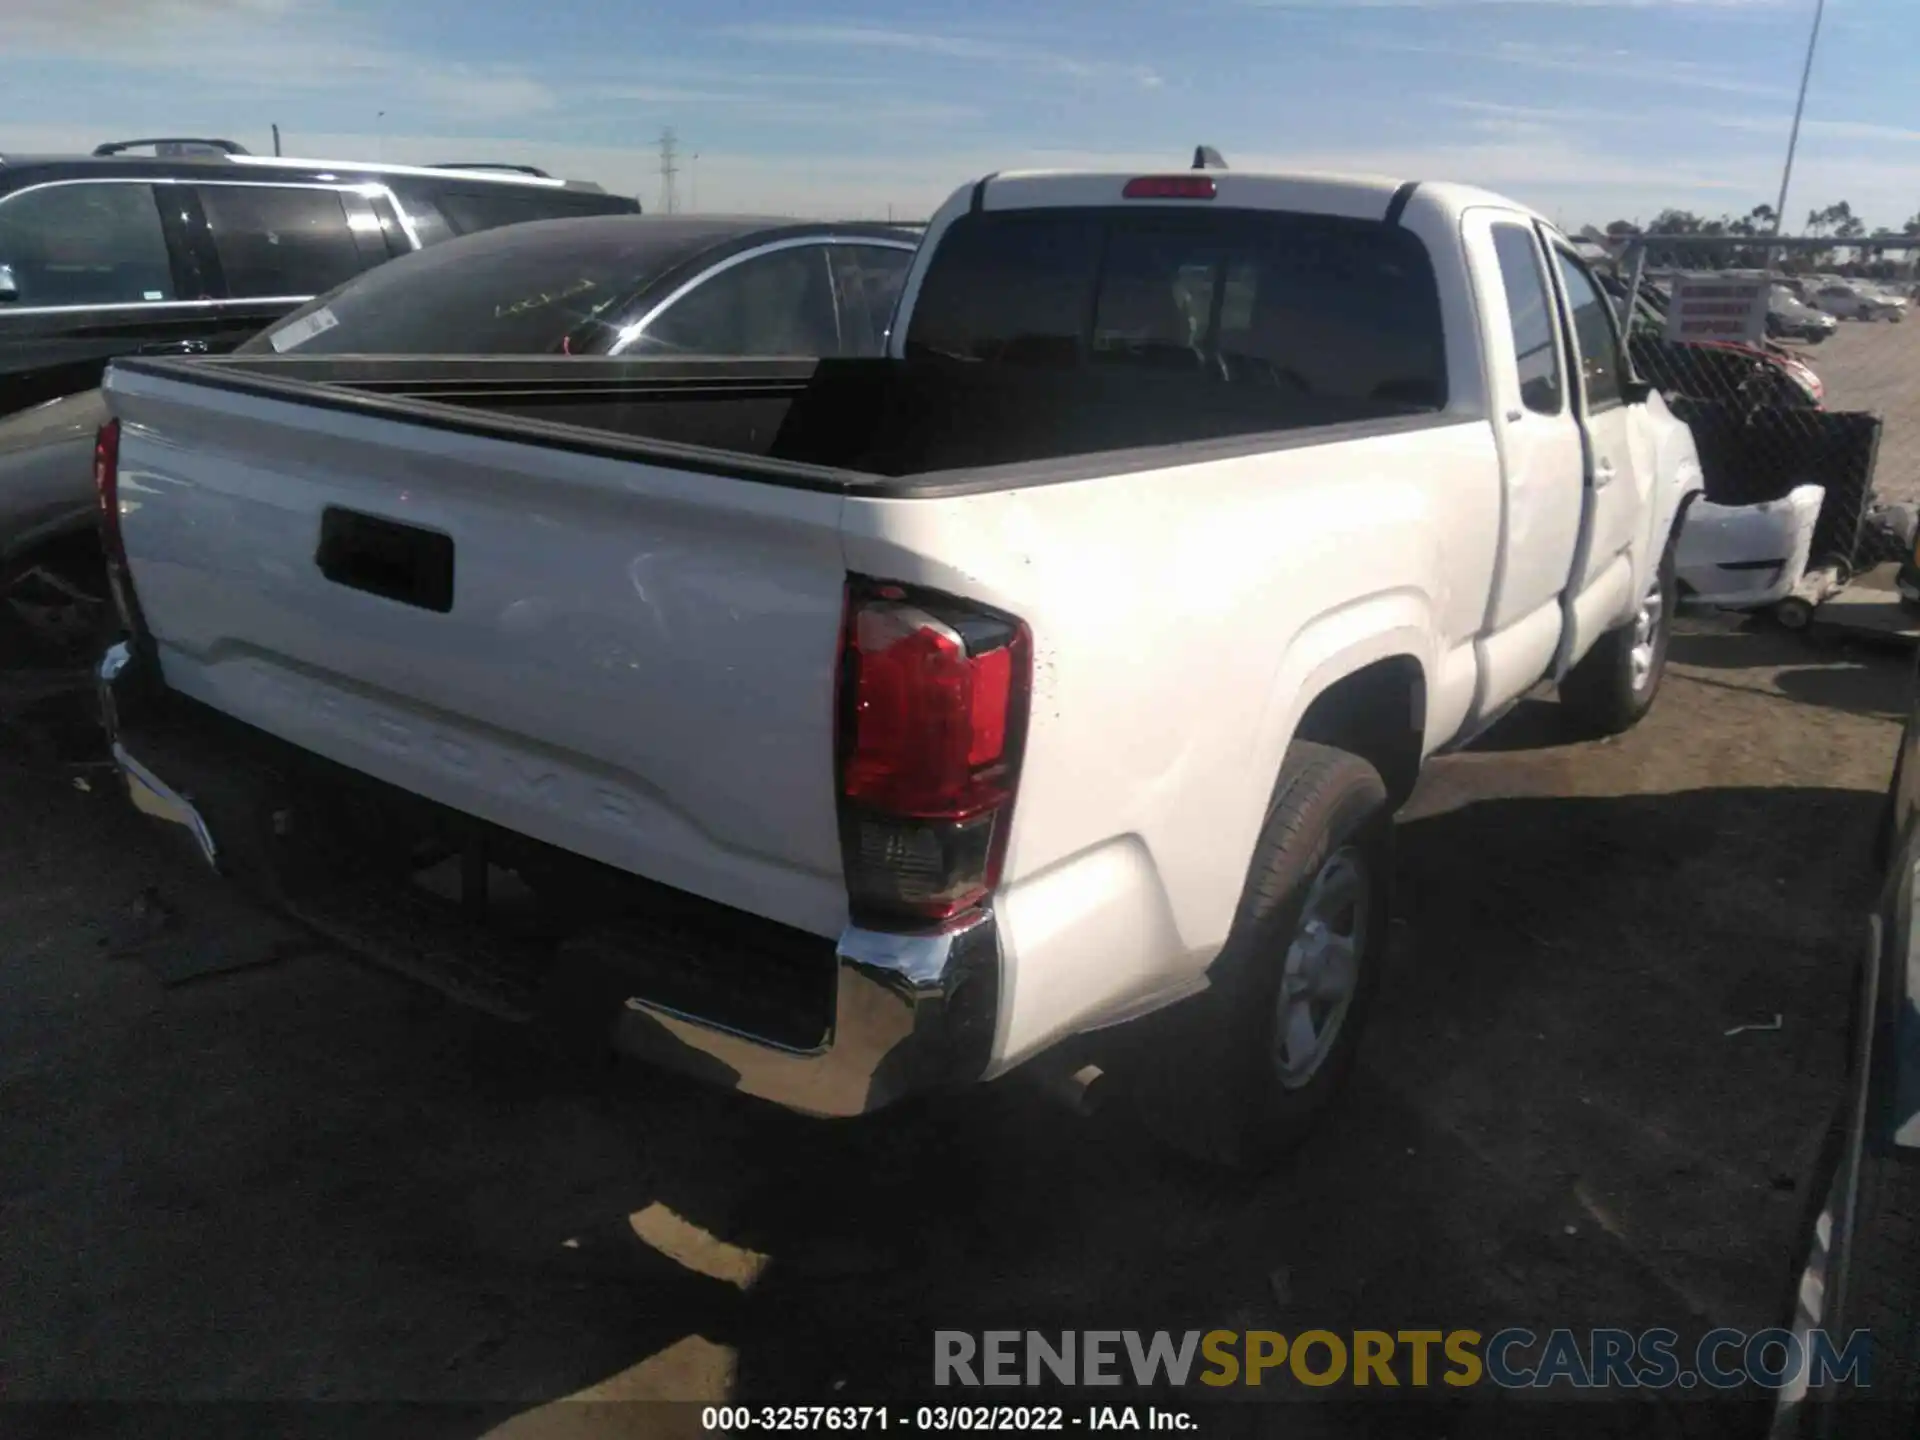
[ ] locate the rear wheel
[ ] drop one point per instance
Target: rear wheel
(1614, 685)
(1241, 1074)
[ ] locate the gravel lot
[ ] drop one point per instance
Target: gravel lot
(302, 1179)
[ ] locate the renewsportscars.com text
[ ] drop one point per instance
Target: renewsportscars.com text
(1395, 1359)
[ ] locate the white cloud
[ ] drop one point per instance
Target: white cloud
(951, 47)
(1613, 63)
(252, 45)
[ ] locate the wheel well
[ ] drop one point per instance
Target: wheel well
(1380, 714)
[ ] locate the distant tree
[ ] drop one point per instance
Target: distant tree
(1912, 227)
(1621, 229)
(1676, 222)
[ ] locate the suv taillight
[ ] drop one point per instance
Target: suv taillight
(932, 717)
(106, 489)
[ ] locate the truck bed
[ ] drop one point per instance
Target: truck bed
(540, 595)
(872, 425)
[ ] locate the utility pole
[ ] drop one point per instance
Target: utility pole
(669, 168)
(1793, 138)
(276, 139)
(693, 183)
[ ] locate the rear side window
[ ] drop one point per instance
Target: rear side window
(1531, 312)
(280, 240)
(1310, 305)
(89, 244)
(868, 280)
(775, 304)
(1601, 364)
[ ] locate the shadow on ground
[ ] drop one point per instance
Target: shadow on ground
(306, 1181)
(1858, 677)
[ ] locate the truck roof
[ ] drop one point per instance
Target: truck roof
(1315, 192)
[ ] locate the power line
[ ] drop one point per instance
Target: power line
(669, 169)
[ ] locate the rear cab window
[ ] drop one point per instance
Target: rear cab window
(1530, 308)
(1306, 304)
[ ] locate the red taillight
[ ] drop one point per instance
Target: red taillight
(106, 482)
(106, 490)
(1171, 187)
(933, 709)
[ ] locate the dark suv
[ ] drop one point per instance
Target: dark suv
(196, 247)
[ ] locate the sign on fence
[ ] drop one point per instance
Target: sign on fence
(1718, 307)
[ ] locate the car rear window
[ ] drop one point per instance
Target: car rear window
(1308, 304)
(517, 290)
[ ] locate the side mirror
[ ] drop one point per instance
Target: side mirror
(9, 287)
(1541, 394)
(1636, 391)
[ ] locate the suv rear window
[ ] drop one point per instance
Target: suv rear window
(469, 211)
(1310, 304)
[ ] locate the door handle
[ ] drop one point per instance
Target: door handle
(1602, 474)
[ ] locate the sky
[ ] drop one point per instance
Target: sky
(1589, 110)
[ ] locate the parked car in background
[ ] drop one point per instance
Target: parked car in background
(788, 687)
(1853, 300)
(620, 285)
(1860, 1247)
(189, 254)
(598, 285)
(186, 251)
(1790, 317)
(1718, 370)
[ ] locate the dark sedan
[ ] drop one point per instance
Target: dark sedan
(613, 285)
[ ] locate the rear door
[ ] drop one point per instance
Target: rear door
(1536, 418)
(277, 246)
(1617, 492)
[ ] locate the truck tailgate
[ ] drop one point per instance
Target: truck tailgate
(630, 662)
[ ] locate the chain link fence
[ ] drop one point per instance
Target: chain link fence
(1765, 418)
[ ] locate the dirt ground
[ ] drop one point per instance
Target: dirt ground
(304, 1180)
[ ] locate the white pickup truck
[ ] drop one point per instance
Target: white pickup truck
(843, 730)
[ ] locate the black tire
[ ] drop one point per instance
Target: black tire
(1213, 1085)
(1602, 694)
